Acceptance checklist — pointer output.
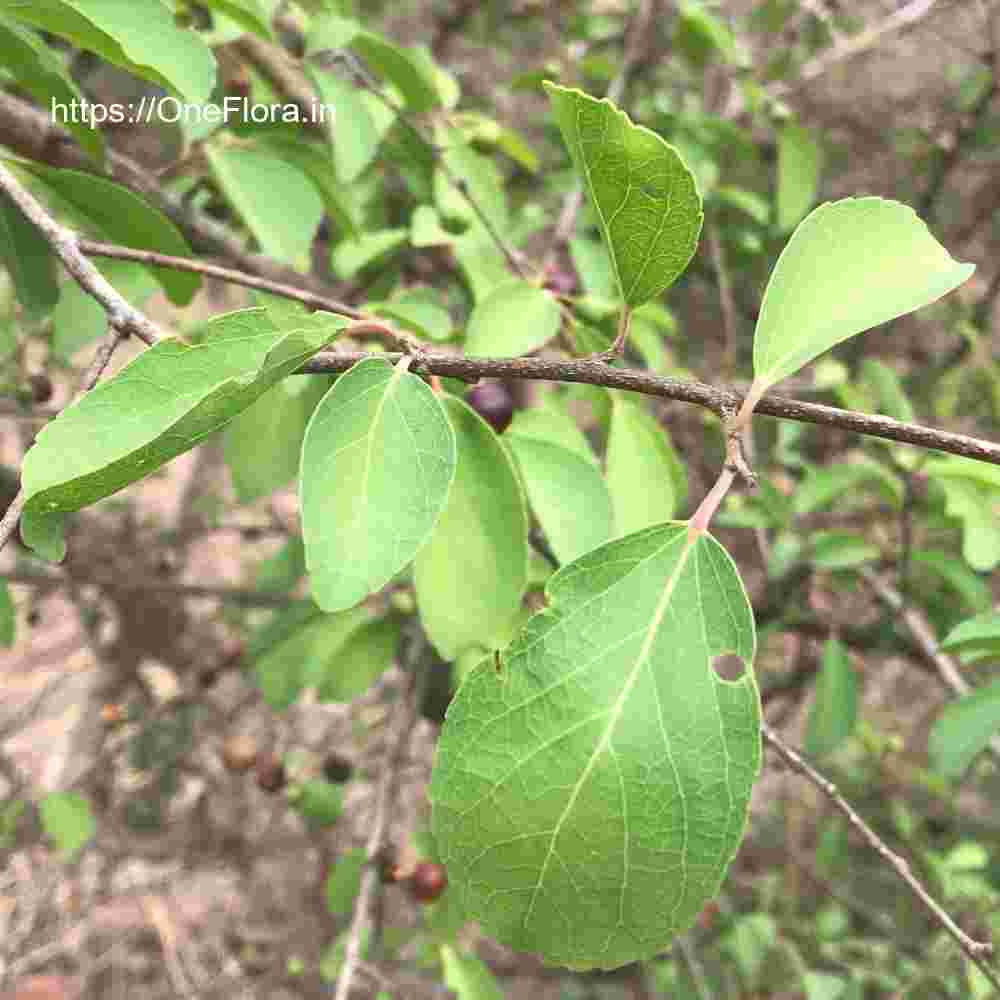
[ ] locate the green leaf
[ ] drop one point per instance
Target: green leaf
(263, 444)
(567, 494)
(552, 422)
(979, 634)
(45, 534)
(893, 401)
(472, 573)
(344, 883)
(403, 68)
(822, 486)
(646, 199)
(594, 267)
(418, 311)
(833, 550)
(43, 75)
(276, 200)
(956, 574)
(646, 479)
(483, 179)
(249, 14)
(355, 139)
(481, 261)
(588, 798)
(799, 161)
(29, 260)
(377, 464)
(426, 229)
(79, 320)
(515, 318)
(978, 510)
(66, 818)
(351, 256)
(366, 654)
(835, 709)
(319, 802)
(139, 37)
(699, 35)
(964, 729)
(162, 404)
(468, 976)
(282, 571)
(119, 216)
(8, 616)
(850, 265)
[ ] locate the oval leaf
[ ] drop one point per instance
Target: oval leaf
(835, 709)
(590, 793)
(515, 318)
(647, 201)
(162, 404)
(471, 575)
(567, 494)
(798, 174)
(849, 266)
(377, 463)
(964, 729)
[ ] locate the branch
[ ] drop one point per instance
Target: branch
(122, 316)
(403, 720)
(976, 951)
(719, 400)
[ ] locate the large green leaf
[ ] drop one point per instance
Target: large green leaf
(119, 216)
(591, 789)
(835, 709)
(515, 318)
(139, 37)
(278, 202)
(964, 729)
(647, 201)
(162, 404)
(567, 494)
(645, 477)
(43, 74)
(849, 266)
(471, 575)
(27, 257)
(263, 444)
(377, 464)
(798, 174)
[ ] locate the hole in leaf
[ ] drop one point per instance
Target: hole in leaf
(728, 666)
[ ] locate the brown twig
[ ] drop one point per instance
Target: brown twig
(403, 720)
(718, 400)
(976, 951)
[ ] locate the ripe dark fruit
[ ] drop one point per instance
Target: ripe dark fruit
(337, 769)
(428, 881)
(493, 402)
(270, 773)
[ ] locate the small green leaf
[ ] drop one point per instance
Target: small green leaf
(978, 509)
(367, 653)
(981, 634)
(344, 882)
(952, 570)
(282, 571)
(552, 422)
(835, 709)
(822, 486)
(515, 318)
(351, 256)
(67, 819)
(139, 37)
(833, 550)
(567, 494)
(964, 729)
(799, 160)
(893, 401)
(377, 464)
(319, 802)
(699, 35)
(253, 15)
(45, 534)
(263, 444)
(403, 68)
(647, 201)
(849, 266)
(8, 616)
(588, 799)
(468, 976)
(482, 263)
(418, 311)
(279, 204)
(483, 179)
(29, 260)
(472, 573)
(119, 216)
(646, 479)
(162, 404)
(355, 139)
(43, 74)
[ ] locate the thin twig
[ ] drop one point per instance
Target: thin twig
(122, 316)
(718, 400)
(976, 951)
(403, 720)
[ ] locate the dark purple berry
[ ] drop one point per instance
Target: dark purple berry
(493, 402)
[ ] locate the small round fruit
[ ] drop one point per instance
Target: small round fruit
(270, 773)
(41, 387)
(337, 769)
(428, 881)
(493, 402)
(239, 753)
